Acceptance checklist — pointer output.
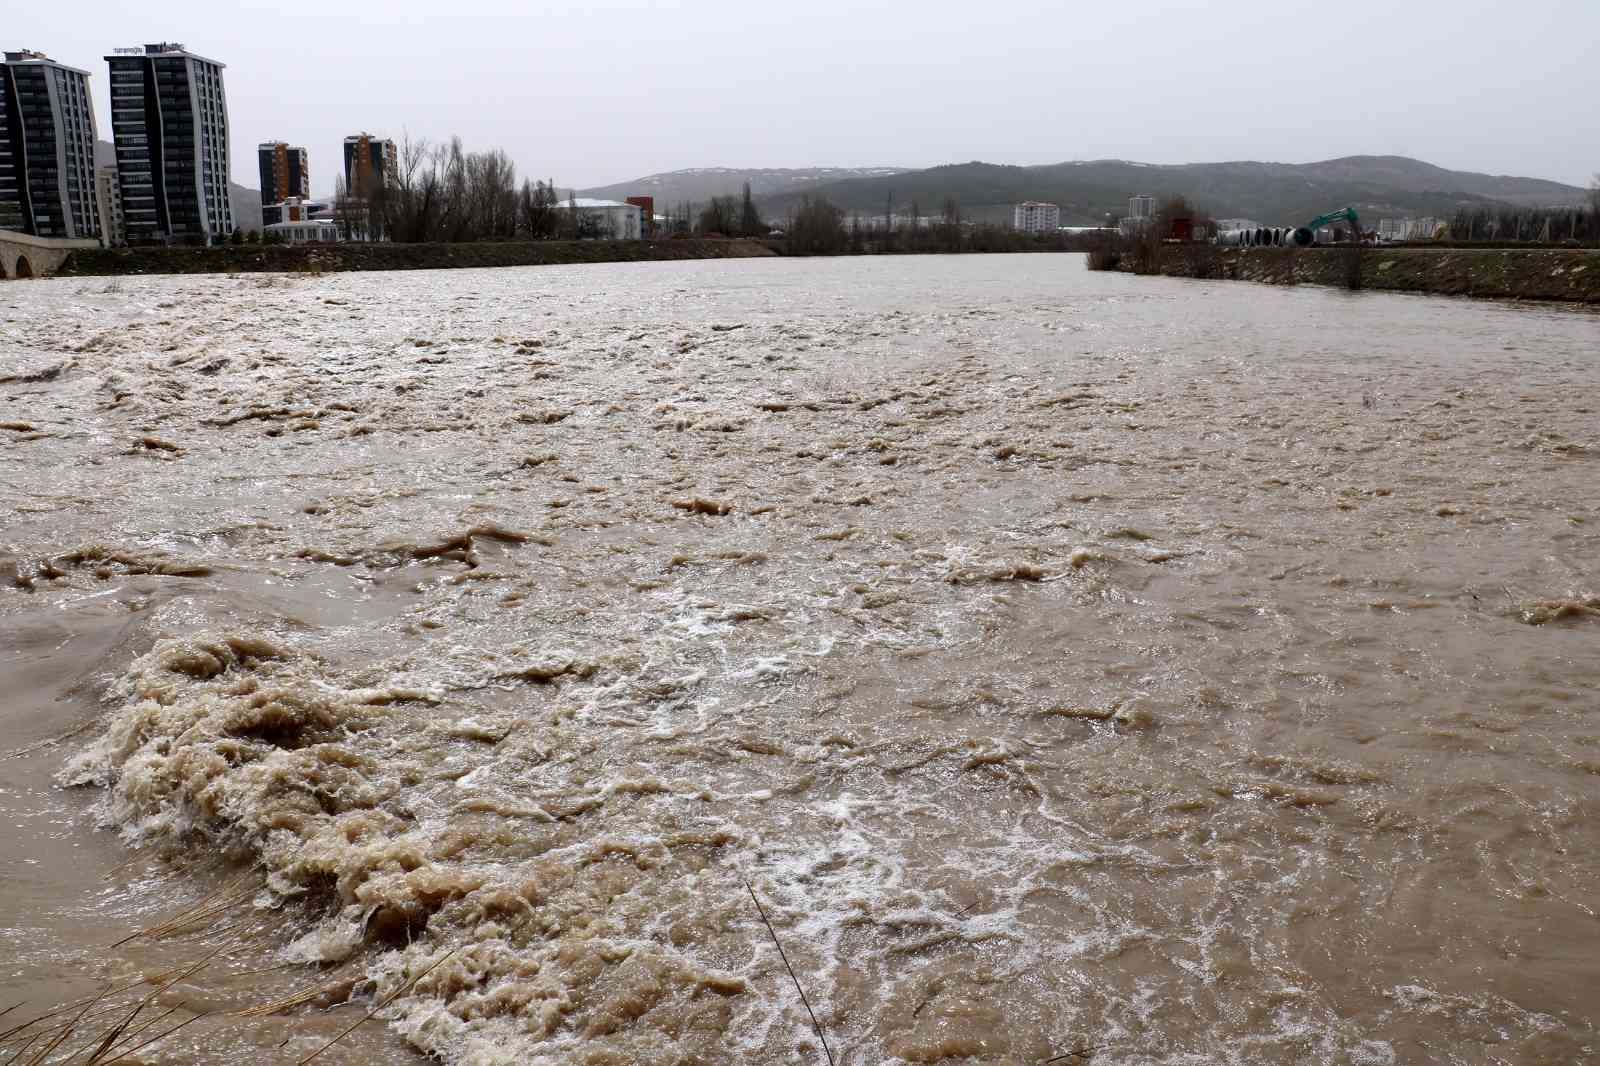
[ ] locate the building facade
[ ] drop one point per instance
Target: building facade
(647, 213)
(367, 159)
(285, 172)
(47, 133)
(304, 231)
(169, 115)
(1035, 217)
(295, 209)
(1141, 207)
(109, 196)
(604, 219)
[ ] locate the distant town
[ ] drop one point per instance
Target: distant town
(168, 184)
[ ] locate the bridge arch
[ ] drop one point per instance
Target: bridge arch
(25, 256)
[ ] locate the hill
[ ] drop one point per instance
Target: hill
(703, 183)
(1271, 193)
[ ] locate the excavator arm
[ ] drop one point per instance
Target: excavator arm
(1305, 236)
(1348, 214)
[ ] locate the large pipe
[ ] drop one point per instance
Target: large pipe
(1264, 237)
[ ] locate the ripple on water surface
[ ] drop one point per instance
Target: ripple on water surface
(1070, 664)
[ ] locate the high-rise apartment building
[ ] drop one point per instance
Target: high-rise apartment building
(284, 172)
(46, 149)
(367, 159)
(109, 196)
(1035, 217)
(170, 118)
(1141, 206)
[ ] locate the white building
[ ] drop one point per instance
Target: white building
(295, 209)
(1141, 206)
(322, 231)
(1409, 229)
(1035, 217)
(109, 200)
(605, 219)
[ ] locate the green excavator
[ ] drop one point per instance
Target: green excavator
(1305, 236)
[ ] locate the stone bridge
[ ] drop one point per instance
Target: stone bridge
(24, 256)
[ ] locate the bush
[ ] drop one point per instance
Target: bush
(1105, 257)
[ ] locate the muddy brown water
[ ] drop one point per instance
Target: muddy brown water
(1127, 669)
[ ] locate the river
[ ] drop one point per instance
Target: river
(1075, 667)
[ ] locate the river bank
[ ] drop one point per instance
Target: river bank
(1568, 276)
(339, 258)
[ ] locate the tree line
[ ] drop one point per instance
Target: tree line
(815, 226)
(441, 192)
(1544, 224)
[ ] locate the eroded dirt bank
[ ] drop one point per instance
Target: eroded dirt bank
(1494, 273)
(1073, 664)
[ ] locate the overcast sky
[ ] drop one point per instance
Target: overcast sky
(600, 91)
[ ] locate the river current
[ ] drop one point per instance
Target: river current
(1075, 667)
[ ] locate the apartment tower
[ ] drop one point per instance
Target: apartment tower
(367, 159)
(284, 173)
(1035, 217)
(170, 118)
(46, 149)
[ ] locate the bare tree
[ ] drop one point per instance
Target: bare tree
(719, 217)
(950, 225)
(816, 228)
(540, 216)
(348, 212)
(750, 222)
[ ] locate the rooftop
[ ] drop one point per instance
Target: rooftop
(162, 48)
(27, 55)
(583, 201)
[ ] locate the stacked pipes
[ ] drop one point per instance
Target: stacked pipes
(1268, 237)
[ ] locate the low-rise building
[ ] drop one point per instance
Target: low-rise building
(108, 197)
(295, 209)
(310, 231)
(1036, 217)
(1409, 229)
(647, 213)
(605, 219)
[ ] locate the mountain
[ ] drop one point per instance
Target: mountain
(245, 201)
(1271, 193)
(701, 184)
